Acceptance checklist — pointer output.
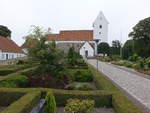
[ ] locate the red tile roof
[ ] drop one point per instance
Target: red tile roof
(72, 35)
(7, 45)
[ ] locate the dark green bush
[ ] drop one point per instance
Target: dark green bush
(115, 57)
(50, 103)
(133, 58)
(148, 61)
(83, 76)
(14, 81)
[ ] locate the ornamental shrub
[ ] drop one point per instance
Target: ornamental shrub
(148, 61)
(133, 58)
(79, 106)
(83, 76)
(50, 103)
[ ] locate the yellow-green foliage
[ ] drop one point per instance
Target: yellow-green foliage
(50, 103)
(79, 106)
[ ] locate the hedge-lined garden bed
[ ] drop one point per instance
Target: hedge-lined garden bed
(29, 97)
(5, 70)
(108, 94)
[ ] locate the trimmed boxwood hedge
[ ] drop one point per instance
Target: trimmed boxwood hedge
(120, 102)
(9, 96)
(14, 81)
(114, 99)
(25, 104)
(102, 98)
(4, 70)
(17, 79)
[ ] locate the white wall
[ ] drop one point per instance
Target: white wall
(87, 47)
(100, 33)
(10, 55)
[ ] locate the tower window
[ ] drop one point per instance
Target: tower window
(99, 32)
(100, 26)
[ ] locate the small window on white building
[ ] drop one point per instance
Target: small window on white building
(100, 26)
(100, 33)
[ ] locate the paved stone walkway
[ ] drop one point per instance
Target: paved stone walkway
(136, 86)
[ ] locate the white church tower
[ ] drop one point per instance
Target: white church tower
(100, 29)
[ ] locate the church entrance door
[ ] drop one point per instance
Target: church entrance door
(86, 53)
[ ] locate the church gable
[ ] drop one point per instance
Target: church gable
(87, 50)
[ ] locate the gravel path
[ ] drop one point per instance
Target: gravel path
(136, 86)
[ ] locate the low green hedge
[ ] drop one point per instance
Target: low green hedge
(9, 96)
(4, 70)
(17, 79)
(14, 80)
(29, 71)
(25, 104)
(120, 102)
(102, 98)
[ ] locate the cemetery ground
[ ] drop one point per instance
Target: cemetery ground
(23, 84)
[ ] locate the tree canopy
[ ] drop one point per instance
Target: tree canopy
(141, 37)
(128, 49)
(115, 49)
(103, 48)
(49, 57)
(4, 31)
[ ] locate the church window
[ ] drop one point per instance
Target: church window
(100, 33)
(100, 26)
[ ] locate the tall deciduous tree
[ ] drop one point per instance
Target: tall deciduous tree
(49, 57)
(4, 31)
(103, 48)
(115, 49)
(128, 49)
(141, 37)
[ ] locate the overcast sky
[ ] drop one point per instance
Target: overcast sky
(19, 15)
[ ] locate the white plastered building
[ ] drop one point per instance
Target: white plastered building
(9, 49)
